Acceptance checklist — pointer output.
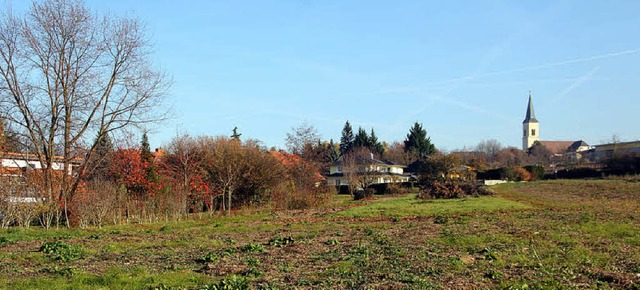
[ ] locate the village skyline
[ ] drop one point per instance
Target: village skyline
(464, 72)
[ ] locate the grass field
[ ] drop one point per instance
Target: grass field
(550, 234)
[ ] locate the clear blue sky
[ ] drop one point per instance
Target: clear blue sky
(462, 68)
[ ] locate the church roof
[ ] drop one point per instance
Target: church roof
(561, 147)
(531, 115)
(557, 147)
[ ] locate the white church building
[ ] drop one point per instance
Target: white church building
(531, 136)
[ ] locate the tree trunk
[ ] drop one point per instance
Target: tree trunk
(229, 201)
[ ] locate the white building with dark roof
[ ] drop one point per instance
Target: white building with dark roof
(382, 171)
(531, 137)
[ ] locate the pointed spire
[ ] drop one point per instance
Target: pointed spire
(531, 116)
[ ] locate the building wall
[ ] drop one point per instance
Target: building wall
(335, 169)
(530, 134)
(11, 163)
(605, 151)
(342, 181)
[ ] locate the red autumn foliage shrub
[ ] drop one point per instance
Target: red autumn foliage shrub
(131, 170)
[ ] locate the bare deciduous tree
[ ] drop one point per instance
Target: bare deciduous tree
(359, 167)
(395, 152)
(182, 159)
(224, 160)
(65, 71)
(304, 135)
(489, 147)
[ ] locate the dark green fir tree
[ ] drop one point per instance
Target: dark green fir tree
(361, 139)
(145, 153)
(333, 152)
(346, 140)
(375, 145)
(417, 142)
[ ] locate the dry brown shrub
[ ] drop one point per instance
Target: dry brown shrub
(286, 197)
(98, 205)
(453, 189)
(9, 209)
(523, 174)
(442, 189)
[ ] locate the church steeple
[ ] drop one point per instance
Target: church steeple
(531, 115)
(530, 127)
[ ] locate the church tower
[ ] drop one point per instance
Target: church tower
(530, 127)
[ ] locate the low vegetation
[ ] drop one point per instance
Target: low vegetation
(546, 234)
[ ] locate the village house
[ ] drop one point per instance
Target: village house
(18, 163)
(13, 174)
(380, 171)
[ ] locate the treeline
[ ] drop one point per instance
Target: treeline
(305, 141)
(191, 175)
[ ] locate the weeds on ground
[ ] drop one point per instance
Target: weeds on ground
(61, 251)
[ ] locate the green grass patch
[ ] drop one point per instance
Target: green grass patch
(16, 234)
(408, 205)
(626, 232)
(548, 234)
(113, 278)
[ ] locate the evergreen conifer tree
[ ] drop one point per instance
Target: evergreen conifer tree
(362, 139)
(235, 135)
(145, 152)
(333, 154)
(417, 142)
(145, 148)
(375, 145)
(346, 141)
(100, 163)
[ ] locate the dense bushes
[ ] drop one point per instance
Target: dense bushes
(193, 175)
(578, 173)
(622, 164)
(536, 170)
(452, 189)
(391, 188)
(362, 194)
(285, 197)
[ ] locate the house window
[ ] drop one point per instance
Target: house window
(340, 169)
(533, 132)
(337, 182)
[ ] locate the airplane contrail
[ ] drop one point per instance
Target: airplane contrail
(575, 84)
(541, 66)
